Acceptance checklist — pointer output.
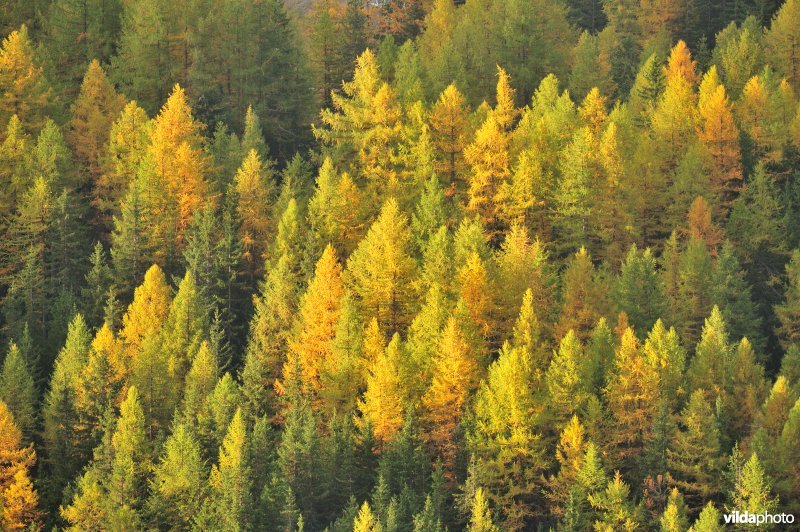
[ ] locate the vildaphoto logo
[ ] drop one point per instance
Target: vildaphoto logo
(746, 518)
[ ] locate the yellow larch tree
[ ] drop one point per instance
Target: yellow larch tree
(383, 404)
(178, 162)
(18, 499)
(381, 268)
(720, 136)
(489, 158)
(320, 308)
(97, 107)
(254, 190)
(454, 377)
(147, 312)
(449, 127)
(23, 90)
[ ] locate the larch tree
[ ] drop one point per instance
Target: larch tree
(319, 313)
(693, 455)
(752, 491)
(25, 92)
(632, 394)
(147, 312)
(584, 297)
(489, 159)
(711, 368)
(380, 268)
(506, 441)
(178, 483)
(449, 128)
(230, 481)
(254, 190)
(179, 167)
(383, 405)
(566, 386)
(782, 41)
(720, 136)
(185, 327)
(122, 152)
(94, 112)
(570, 453)
(64, 430)
(269, 335)
(454, 377)
(18, 498)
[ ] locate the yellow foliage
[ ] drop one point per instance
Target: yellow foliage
(382, 406)
(150, 306)
(319, 313)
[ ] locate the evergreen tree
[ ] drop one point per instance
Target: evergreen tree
(638, 292)
(18, 392)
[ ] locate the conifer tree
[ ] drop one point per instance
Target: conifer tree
(64, 434)
(18, 391)
(18, 498)
(122, 152)
(25, 92)
(270, 330)
(506, 442)
(488, 157)
(615, 508)
(381, 267)
(708, 520)
(101, 381)
(752, 490)
(185, 327)
(781, 42)
(788, 312)
(230, 481)
(710, 369)
(522, 264)
(94, 112)
(454, 376)
(142, 66)
(177, 486)
(319, 313)
(566, 387)
(481, 518)
(638, 292)
(693, 454)
(632, 394)
(383, 404)
(674, 518)
(720, 136)
(254, 190)
(448, 122)
(147, 312)
(570, 452)
(583, 296)
(664, 353)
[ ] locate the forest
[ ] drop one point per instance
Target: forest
(399, 265)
